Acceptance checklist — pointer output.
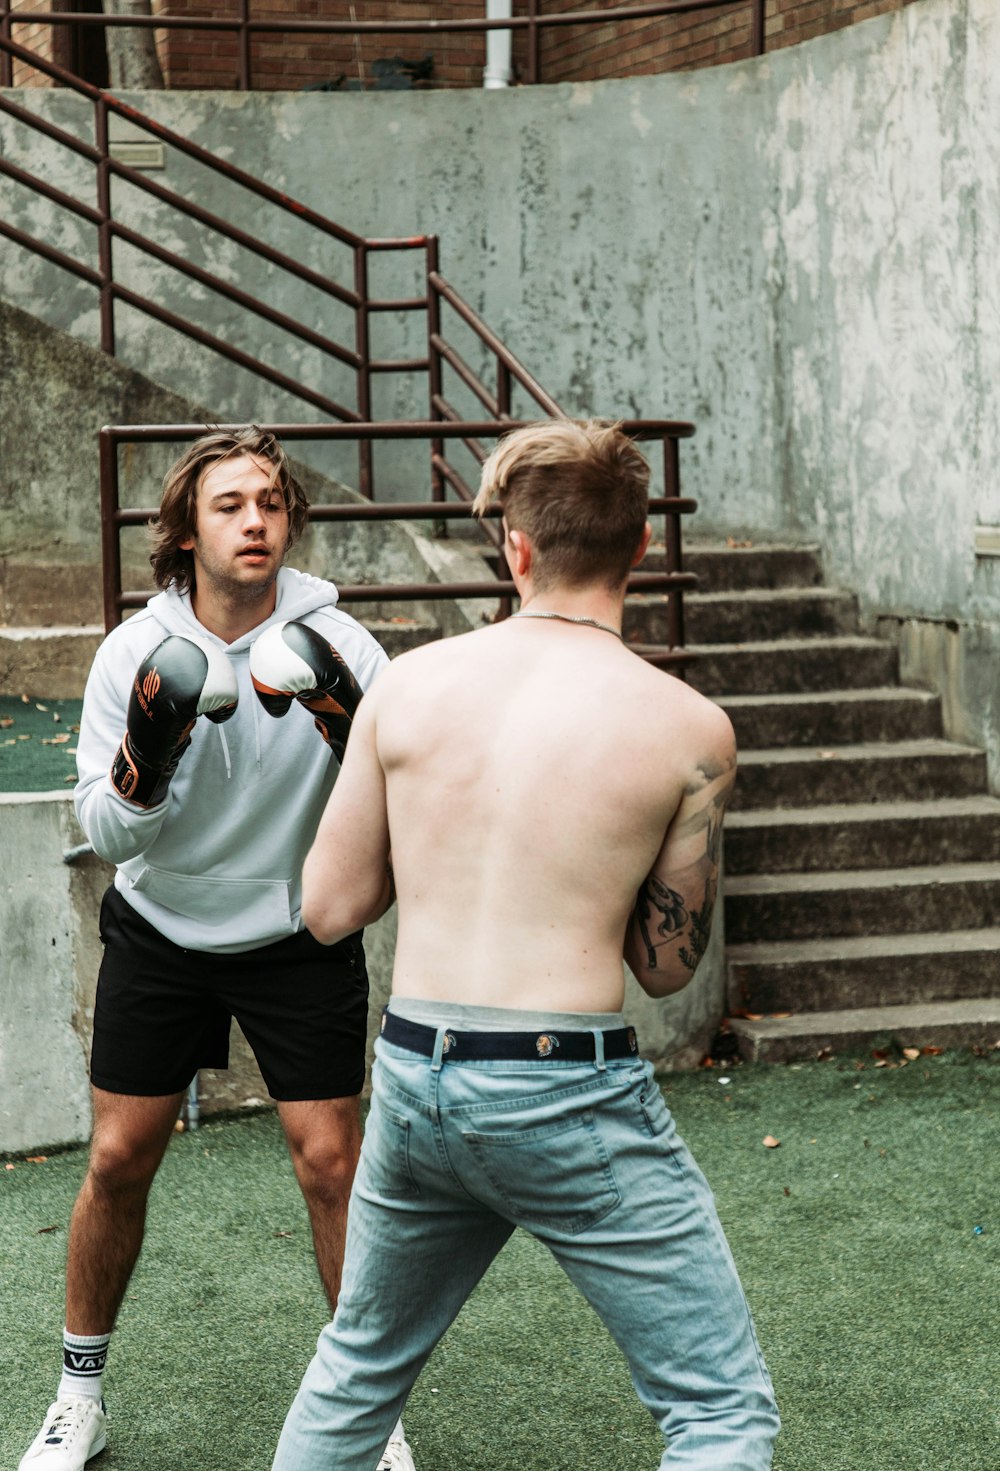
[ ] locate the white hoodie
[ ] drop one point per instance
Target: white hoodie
(218, 865)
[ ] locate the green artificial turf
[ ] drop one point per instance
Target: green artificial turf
(38, 744)
(867, 1242)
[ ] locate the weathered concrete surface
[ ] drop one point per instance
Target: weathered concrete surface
(807, 271)
(43, 1016)
(61, 391)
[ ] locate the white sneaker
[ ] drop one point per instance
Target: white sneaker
(75, 1429)
(397, 1456)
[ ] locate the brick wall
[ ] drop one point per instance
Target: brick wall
(206, 60)
(684, 42)
(199, 59)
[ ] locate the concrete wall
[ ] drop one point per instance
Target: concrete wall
(797, 252)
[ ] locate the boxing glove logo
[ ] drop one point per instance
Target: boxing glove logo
(151, 684)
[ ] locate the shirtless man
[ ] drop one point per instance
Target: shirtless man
(531, 780)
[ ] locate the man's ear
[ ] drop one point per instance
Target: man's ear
(519, 552)
(647, 532)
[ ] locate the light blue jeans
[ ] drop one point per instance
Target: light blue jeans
(585, 1157)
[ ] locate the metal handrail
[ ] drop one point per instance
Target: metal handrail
(438, 292)
(674, 580)
(245, 27)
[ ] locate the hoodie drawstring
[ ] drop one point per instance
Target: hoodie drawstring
(225, 752)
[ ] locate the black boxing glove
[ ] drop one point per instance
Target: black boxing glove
(175, 683)
(291, 661)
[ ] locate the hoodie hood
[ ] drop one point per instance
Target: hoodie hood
(217, 865)
(298, 593)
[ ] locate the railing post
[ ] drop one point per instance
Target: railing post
(503, 390)
(435, 385)
(6, 61)
(757, 39)
(243, 38)
(672, 543)
(111, 557)
(105, 264)
(534, 68)
(363, 345)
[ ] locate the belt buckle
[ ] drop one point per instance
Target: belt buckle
(545, 1044)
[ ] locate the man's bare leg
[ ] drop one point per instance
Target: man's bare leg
(106, 1230)
(324, 1139)
(105, 1238)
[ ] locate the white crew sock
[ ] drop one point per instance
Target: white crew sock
(84, 1356)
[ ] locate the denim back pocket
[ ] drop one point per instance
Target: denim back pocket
(556, 1176)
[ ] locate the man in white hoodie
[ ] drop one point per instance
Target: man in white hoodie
(208, 828)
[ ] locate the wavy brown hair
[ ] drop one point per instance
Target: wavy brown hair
(177, 520)
(579, 489)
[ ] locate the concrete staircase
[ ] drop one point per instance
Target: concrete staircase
(862, 852)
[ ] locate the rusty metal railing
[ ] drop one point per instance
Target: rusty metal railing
(245, 27)
(500, 589)
(441, 357)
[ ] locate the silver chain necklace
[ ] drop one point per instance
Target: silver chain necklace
(568, 618)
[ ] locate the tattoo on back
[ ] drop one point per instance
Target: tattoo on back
(656, 896)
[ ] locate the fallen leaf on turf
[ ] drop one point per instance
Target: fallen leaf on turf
(69, 778)
(43, 707)
(10, 743)
(6, 723)
(911, 1053)
(24, 738)
(9, 1167)
(284, 1233)
(59, 740)
(931, 1051)
(749, 1016)
(25, 700)
(57, 717)
(779, 1016)
(44, 1230)
(828, 755)
(787, 1191)
(37, 1159)
(769, 1142)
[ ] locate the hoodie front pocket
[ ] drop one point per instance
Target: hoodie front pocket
(218, 902)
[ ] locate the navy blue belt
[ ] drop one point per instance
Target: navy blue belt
(561, 1046)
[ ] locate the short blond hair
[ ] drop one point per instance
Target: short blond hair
(579, 490)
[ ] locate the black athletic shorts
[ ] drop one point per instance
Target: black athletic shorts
(163, 1012)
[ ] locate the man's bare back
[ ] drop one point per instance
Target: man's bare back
(550, 805)
(535, 774)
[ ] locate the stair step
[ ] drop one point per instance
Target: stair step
(806, 906)
(871, 970)
(396, 635)
(971, 1022)
(833, 717)
(51, 662)
(719, 566)
(886, 834)
(891, 771)
(745, 616)
(786, 665)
